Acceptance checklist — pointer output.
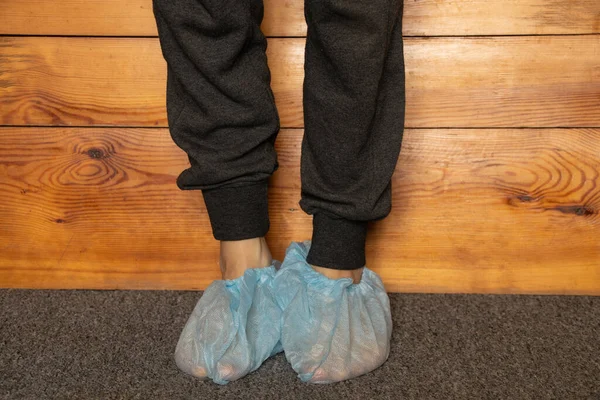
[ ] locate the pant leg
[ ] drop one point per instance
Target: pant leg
(220, 108)
(354, 103)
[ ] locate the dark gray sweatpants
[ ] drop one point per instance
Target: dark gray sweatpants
(221, 112)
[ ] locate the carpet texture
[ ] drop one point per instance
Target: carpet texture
(119, 345)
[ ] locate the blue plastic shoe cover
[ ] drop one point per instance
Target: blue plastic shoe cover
(332, 329)
(234, 327)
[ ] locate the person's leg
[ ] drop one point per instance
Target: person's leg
(354, 103)
(221, 112)
(335, 328)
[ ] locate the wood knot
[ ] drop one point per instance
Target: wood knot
(577, 210)
(525, 198)
(519, 200)
(95, 152)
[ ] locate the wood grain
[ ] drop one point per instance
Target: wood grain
(474, 210)
(479, 206)
(540, 81)
(286, 17)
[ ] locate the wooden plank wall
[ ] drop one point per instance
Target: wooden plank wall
(497, 188)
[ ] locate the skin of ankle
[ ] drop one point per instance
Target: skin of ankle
(355, 274)
(239, 255)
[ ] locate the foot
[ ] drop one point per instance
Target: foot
(231, 331)
(332, 329)
(354, 274)
(239, 255)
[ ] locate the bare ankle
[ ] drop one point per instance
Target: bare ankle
(239, 255)
(355, 274)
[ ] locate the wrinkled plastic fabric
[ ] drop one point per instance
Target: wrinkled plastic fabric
(332, 329)
(234, 327)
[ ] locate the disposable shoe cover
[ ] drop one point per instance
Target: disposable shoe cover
(234, 327)
(332, 329)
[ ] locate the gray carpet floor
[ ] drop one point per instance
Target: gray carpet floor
(119, 345)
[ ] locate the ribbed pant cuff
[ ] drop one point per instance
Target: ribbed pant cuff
(240, 212)
(337, 243)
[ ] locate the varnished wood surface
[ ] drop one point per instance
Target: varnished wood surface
(474, 210)
(541, 81)
(286, 17)
(496, 189)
